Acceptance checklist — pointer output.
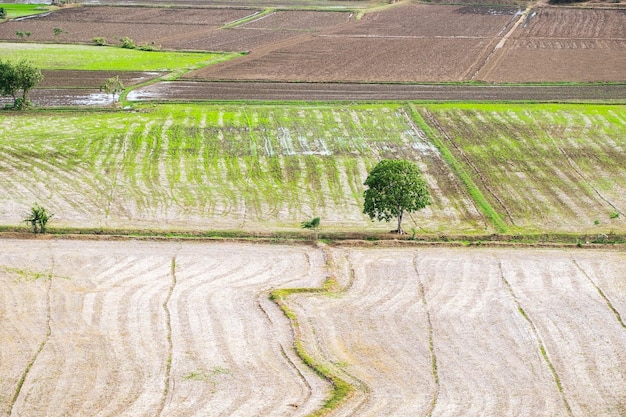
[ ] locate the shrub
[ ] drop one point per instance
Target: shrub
(3, 13)
(99, 41)
(311, 224)
(127, 43)
(38, 217)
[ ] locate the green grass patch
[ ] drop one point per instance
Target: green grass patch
(14, 10)
(106, 58)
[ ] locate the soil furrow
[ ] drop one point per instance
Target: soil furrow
(540, 343)
(577, 170)
(43, 343)
(168, 382)
(431, 342)
(609, 304)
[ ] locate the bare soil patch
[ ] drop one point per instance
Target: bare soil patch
(563, 44)
(355, 59)
(144, 329)
(474, 332)
(281, 91)
(185, 329)
(163, 26)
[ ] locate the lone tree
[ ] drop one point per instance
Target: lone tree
(16, 80)
(394, 186)
(113, 86)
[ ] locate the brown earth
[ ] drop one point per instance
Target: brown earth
(93, 79)
(223, 90)
(403, 43)
(562, 44)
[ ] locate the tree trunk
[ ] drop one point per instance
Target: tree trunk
(400, 213)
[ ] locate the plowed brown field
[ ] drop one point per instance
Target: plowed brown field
(562, 44)
(404, 43)
(185, 329)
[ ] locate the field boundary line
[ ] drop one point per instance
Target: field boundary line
(431, 343)
(342, 390)
(618, 316)
(542, 348)
(33, 359)
(283, 351)
(474, 192)
(167, 383)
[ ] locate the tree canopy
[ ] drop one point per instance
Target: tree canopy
(16, 80)
(394, 187)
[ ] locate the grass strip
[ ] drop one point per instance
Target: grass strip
(249, 18)
(107, 58)
(477, 196)
(341, 388)
(14, 10)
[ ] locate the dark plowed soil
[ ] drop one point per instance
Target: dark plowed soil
(92, 79)
(185, 90)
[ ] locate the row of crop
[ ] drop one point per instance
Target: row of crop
(542, 166)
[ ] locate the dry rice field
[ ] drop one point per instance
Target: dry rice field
(135, 328)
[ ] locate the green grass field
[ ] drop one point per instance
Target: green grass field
(541, 168)
(18, 10)
(86, 57)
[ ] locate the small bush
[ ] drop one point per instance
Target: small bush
(3, 13)
(127, 43)
(311, 224)
(38, 217)
(614, 215)
(99, 41)
(149, 47)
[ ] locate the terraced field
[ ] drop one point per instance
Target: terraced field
(216, 167)
(145, 329)
(274, 166)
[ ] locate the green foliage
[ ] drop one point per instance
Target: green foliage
(127, 43)
(113, 86)
(16, 78)
(311, 224)
(58, 31)
(614, 215)
(3, 13)
(394, 186)
(100, 41)
(21, 34)
(38, 218)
